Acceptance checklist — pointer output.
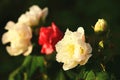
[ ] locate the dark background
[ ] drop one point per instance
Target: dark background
(66, 14)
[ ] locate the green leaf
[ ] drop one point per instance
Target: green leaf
(27, 61)
(90, 76)
(60, 76)
(71, 74)
(16, 74)
(102, 76)
(82, 74)
(37, 62)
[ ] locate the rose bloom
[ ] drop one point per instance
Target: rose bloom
(33, 16)
(48, 37)
(72, 49)
(19, 36)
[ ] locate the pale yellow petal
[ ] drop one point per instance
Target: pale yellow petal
(9, 25)
(44, 13)
(13, 51)
(5, 38)
(29, 50)
(84, 61)
(69, 66)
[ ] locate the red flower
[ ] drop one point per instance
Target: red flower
(48, 37)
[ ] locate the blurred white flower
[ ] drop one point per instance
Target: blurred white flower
(19, 36)
(73, 50)
(33, 16)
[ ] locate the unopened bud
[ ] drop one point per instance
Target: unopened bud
(100, 26)
(101, 44)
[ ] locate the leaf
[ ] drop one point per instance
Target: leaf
(90, 76)
(71, 74)
(60, 76)
(27, 60)
(16, 73)
(82, 74)
(102, 76)
(37, 62)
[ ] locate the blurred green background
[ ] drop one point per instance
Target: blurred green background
(66, 14)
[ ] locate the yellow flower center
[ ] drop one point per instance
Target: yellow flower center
(81, 50)
(70, 49)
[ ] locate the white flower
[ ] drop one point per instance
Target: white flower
(19, 36)
(33, 16)
(72, 49)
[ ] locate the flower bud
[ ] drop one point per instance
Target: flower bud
(100, 26)
(101, 44)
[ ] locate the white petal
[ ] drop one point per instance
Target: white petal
(44, 13)
(9, 25)
(69, 66)
(80, 30)
(84, 61)
(28, 51)
(89, 48)
(13, 51)
(5, 38)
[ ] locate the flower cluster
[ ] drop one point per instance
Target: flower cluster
(20, 41)
(70, 48)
